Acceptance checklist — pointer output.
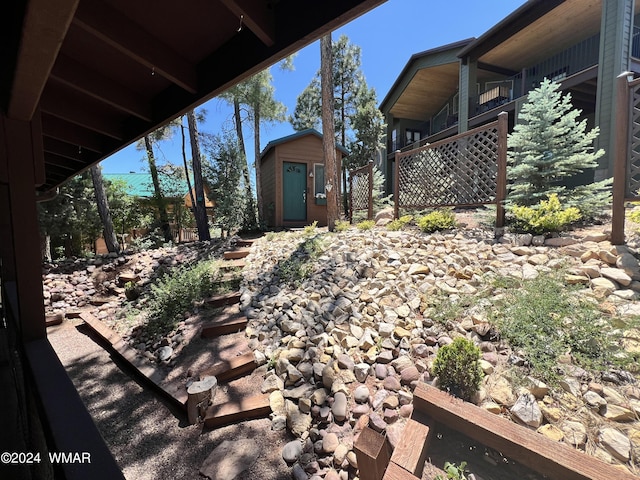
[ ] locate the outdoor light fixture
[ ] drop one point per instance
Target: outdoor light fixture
(311, 173)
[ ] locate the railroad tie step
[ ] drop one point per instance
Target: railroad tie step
(225, 370)
(236, 254)
(233, 411)
(232, 264)
(223, 299)
(55, 319)
(226, 323)
(246, 242)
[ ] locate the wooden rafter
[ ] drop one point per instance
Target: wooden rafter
(43, 31)
(59, 129)
(257, 16)
(59, 103)
(132, 40)
(75, 75)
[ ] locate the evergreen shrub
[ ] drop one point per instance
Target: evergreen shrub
(457, 366)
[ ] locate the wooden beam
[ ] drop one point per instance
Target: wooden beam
(257, 16)
(62, 162)
(373, 453)
(64, 131)
(237, 410)
(557, 461)
(59, 103)
(411, 451)
(226, 370)
(91, 83)
(66, 150)
(396, 472)
(132, 40)
(45, 26)
(223, 299)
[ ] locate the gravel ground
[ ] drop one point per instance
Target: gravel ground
(149, 438)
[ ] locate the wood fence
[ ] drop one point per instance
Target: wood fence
(361, 190)
(626, 169)
(469, 169)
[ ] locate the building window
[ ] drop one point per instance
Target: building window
(318, 180)
(412, 135)
(394, 140)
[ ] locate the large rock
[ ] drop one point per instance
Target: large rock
(527, 411)
(615, 443)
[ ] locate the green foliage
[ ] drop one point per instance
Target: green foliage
(342, 226)
(549, 147)
(453, 471)
(310, 230)
(437, 220)
(544, 319)
(634, 215)
(548, 216)
(173, 294)
(366, 225)
(223, 174)
(300, 264)
(458, 369)
(399, 223)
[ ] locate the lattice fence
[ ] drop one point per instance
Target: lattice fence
(466, 170)
(633, 165)
(361, 190)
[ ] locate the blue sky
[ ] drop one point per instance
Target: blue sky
(388, 36)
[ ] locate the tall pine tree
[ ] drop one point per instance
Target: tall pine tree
(548, 147)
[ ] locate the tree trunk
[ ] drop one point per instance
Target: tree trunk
(250, 216)
(256, 147)
(160, 202)
(328, 132)
(110, 238)
(200, 395)
(45, 247)
(199, 208)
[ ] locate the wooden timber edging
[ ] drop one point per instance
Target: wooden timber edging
(555, 460)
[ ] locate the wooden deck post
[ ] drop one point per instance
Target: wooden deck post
(621, 157)
(396, 186)
(501, 178)
(373, 454)
(351, 197)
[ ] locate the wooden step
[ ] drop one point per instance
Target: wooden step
(236, 254)
(226, 370)
(226, 323)
(236, 411)
(223, 299)
(55, 319)
(231, 264)
(229, 277)
(246, 242)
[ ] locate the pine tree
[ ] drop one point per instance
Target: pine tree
(549, 147)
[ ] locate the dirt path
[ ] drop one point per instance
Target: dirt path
(148, 438)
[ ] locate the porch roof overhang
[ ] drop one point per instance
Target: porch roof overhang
(96, 75)
(426, 82)
(294, 136)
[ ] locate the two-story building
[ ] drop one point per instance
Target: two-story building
(583, 44)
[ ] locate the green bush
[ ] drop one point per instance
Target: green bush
(342, 226)
(437, 220)
(399, 223)
(458, 369)
(174, 293)
(547, 217)
(366, 225)
(300, 264)
(310, 230)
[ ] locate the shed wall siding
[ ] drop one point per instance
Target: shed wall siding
(269, 188)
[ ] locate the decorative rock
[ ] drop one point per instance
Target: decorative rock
(500, 391)
(551, 431)
(615, 443)
(230, 459)
(330, 442)
(617, 413)
(574, 432)
(527, 411)
(616, 275)
(594, 400)
(340, 454)
(361, 394)
(339, 408)
(409, 375)
(164, 353)
(292, 451)
(377, 423)
(297, 422)
(361, 371)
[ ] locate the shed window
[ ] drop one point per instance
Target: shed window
(318, 180)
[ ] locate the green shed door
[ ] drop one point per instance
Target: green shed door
(294, 191)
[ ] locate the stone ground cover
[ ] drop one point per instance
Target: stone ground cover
(344, 325)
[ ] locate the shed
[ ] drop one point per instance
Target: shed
(292, 179)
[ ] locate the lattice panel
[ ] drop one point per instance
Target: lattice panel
(360, 191)
(460, 172)
(633, 167)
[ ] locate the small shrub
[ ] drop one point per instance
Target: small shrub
(547, 217)
(310, 230)
(342, 226)
(366, 225)
(437, 220)
(300, 264)
(634, 215)
(458, 369)
(453, 471)
(174, 293)
(399, 223)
